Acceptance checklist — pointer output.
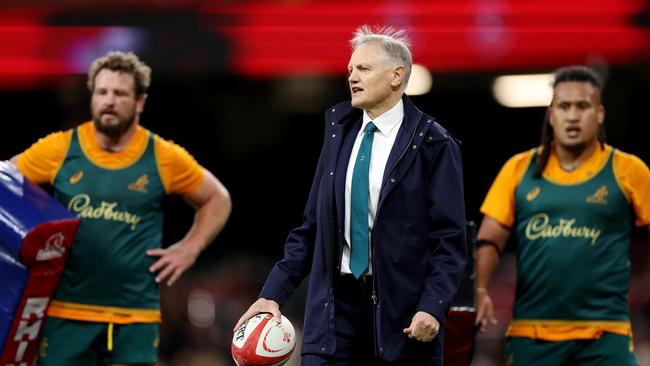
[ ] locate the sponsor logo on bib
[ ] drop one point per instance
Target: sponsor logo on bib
(82, 206)
(540, 226)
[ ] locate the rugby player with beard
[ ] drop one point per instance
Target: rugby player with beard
(113, 173)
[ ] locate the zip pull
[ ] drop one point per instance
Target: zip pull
(374, 297)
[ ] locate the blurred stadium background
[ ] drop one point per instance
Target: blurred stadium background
(243, 85)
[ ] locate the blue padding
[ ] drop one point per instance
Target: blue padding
(13, 279)
(23, 206)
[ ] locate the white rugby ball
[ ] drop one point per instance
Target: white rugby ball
(261, 341)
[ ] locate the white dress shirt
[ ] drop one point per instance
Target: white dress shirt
(387, 127)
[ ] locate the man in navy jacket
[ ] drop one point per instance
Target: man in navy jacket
(392, 313)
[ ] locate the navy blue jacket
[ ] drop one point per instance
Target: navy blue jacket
(418, 239)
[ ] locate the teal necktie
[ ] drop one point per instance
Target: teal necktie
(359, 205)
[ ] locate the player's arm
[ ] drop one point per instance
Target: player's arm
(41, 161)
(213, 205)
(499, 216)
(491, 241)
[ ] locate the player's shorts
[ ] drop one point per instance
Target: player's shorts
(609, 349)
(71, 343)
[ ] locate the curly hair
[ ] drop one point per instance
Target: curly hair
(122, 62)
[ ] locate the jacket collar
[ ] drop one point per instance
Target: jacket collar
(344, 113)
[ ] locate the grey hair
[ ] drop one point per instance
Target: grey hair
(395, 43)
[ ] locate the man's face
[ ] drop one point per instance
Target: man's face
(373, 79)
(576, 114)
(114, 104)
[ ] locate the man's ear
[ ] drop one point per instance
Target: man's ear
(399, 73)
(601, 114)
(140, 102)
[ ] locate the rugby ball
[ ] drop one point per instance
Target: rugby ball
(261, 341)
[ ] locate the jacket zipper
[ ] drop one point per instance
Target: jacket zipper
(375, 298)
(375, 301)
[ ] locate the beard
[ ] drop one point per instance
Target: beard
(114, 131)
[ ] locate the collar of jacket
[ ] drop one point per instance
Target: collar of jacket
(344, 113)
(416, 128)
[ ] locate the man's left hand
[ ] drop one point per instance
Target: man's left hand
(172, 262)
(424, 327)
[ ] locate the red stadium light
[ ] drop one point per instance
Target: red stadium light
(271, 39)
(274, 39)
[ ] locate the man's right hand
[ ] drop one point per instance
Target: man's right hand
(484, 309)
(260, 306)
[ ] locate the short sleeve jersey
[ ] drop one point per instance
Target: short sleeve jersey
(117, 197)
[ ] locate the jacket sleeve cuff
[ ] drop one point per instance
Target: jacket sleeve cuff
(437, 307)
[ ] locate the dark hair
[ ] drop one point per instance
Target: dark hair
(562, 75)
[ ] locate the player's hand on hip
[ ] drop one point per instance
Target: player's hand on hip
(484, 309)
(172, 262)
(260, 306)
(424, 327)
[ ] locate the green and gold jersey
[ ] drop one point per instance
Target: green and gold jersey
(572, 232)
(120, 219)
(572, 255)
(117, 196)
